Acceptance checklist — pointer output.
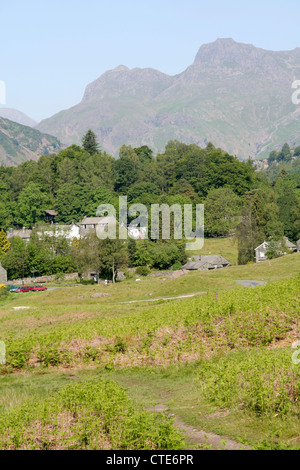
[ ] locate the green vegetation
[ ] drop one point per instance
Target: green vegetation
(90, 415)
(159, 334)
(288, 160)
(89, 142)
(220, 360)
(263, 381)
(76, 181)
(227, 352)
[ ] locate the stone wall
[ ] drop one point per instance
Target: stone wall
(40, 279)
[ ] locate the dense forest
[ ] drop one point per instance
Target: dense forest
(253, 205)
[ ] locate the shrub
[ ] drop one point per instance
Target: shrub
(143, 270)
(176, 266)
(4, 290)
(49, 357)
(18, 358)
(87, 282)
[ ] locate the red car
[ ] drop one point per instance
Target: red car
(31, 289)
(25, 289)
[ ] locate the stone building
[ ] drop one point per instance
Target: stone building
(3, 275)
(206, 263)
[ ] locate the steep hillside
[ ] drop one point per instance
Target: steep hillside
(20, 143)
(234, 95)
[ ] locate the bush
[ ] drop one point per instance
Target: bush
(143, 271)
(18, 358)
(49, 357)
(87, 282)
(4, 290)
(176, 266)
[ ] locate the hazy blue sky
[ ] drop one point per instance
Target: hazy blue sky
(52, 49)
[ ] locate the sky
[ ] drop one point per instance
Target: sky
(51, 50)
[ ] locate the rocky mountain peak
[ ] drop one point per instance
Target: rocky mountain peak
(227, 51)
(133, 81)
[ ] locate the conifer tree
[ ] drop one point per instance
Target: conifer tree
(89, 142)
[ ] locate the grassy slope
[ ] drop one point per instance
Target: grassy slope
(74, 312)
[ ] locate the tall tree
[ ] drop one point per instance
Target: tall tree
(102, 256)
(260, 222)
(31, 204)
(222, 208)
(89, 142)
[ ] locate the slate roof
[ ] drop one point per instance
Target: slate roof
(203, 262)
(51, 212)
(22, 233)
(97, 220)
(287, 243)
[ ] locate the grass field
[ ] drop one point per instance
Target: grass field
(226, 247)
(219, 362)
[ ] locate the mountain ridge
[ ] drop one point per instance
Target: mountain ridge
(233, 94)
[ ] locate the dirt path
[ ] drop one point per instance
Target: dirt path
(208, 440)
(186, 296)
(201, 439)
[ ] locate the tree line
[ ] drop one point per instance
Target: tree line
(78, 179)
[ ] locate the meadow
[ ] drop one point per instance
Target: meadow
(219, 361)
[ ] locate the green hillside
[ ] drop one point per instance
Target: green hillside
(19, 143)
(220, 363)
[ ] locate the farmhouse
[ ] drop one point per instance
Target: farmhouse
(68, 231)
(22, 233)
(101, 224)
(91, 224)
(206, 262)
(261, 250)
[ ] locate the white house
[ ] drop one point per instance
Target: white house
(261, 250)
(68, 231)
(138, 233)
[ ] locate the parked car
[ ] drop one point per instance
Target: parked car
(14, 288)
(25, 289)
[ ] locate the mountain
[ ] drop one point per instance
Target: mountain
(17, 116)
(20, 143)
(234, 95)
